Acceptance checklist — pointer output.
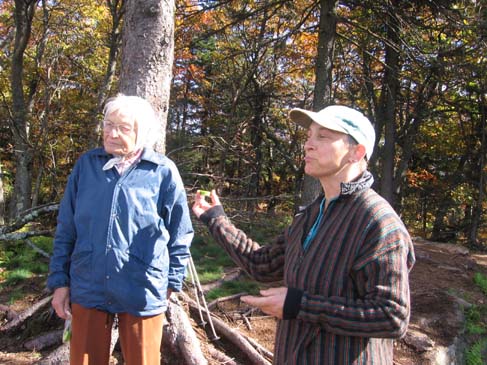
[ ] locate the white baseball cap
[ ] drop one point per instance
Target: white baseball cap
(341, 119)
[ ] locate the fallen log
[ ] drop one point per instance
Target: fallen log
(232, 335)
(27, 217)
(23, 316)
(37, 249)
(9, 312)
(183, 334)
(17, 236)
(220, 356)
(217, 301)
(259, 347)
(45, 340)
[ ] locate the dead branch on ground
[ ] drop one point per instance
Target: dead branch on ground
(28, 217)
(183, 334)
(233, 335)
(45, 340)
(22, 317)
(217, 301)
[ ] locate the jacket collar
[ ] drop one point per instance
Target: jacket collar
(148, 154)
(365, 181)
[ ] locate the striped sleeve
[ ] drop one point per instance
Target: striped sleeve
(263, 263)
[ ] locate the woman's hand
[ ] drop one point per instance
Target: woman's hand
(270, 302)
(60, 302)
(201, 205)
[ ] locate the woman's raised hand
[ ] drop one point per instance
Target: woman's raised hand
(201, 205)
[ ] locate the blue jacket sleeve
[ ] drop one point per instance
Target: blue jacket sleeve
(178, 222)
(65, 236)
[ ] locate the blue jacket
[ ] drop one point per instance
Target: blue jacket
(121, 241)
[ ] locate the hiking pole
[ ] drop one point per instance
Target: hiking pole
(200, 293)
(196, 294)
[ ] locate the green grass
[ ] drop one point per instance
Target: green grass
(15, 295)
(18, 255)
(233, 287)
(475, 317)
(211, 260)
(476, 327)
(20, 263)
(481, 281)
(17, 276)
(474, 354)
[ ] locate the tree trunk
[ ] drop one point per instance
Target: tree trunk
(256, 142)
(388, 103)
(117, 8)
(148, 53)
(478, 204)
(326, 48)
(439, 232)
(322, 91)
(2, 199)
(425, 94)
(24, 13)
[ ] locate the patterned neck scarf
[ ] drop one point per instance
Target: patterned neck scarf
(122, 163)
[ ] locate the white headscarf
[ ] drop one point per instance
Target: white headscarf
(142, 114)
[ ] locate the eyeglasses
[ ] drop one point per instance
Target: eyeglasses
(120, 128)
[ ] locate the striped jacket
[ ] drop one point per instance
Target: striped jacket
(348, 293)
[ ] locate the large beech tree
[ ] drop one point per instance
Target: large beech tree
(148, 53)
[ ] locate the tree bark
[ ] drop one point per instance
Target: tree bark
(45, 340)
(478, 203)
(28, 217)
(425, 94)
(184, 335)
(148, 53)
(24, 13)
(323, 72)
(22, 317)
(388, 107)
(2, 199)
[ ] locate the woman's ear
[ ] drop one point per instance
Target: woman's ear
(358, 153)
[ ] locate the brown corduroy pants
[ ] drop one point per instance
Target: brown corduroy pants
(140, 337)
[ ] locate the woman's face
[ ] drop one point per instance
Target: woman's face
(119, 134)
(327, 152)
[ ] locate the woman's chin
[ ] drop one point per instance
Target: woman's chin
(309, 171)
(114, 151)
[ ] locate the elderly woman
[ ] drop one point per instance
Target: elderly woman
(122, 240)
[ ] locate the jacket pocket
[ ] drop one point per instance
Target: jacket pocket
(81, 266)
(151, 275)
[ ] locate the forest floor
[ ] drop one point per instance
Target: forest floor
(441, 282)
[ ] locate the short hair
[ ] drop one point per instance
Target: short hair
(141, 113)
(352, 141)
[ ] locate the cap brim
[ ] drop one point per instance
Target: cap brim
(302, 117)
(305, 117)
